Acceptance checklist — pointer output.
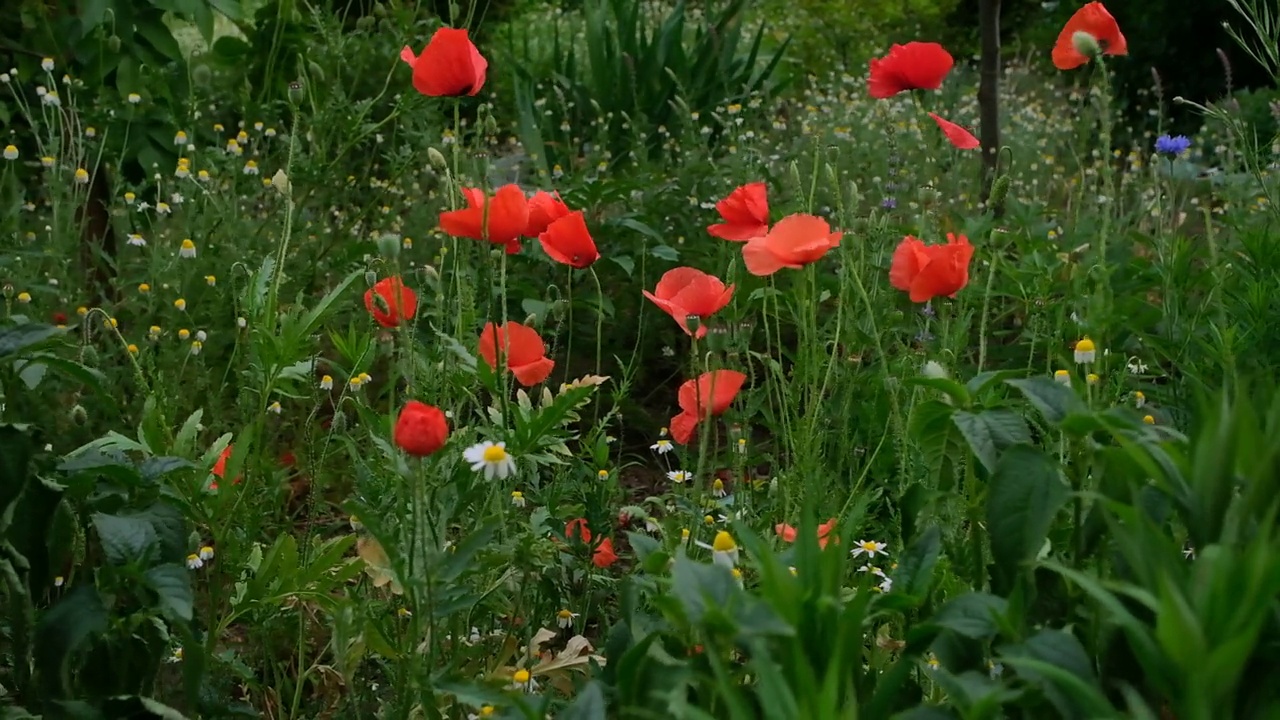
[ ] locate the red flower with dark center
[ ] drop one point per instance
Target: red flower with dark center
(745, 213)
(544, 209)
(685, 292)
(391, 302)
(522, 350)
(500, 219)
(956, 135)
(795, 241)
(421, 429)
(1090, 30)
(914, 66)
(449, 66)
(710, 395)
(929, 271)
(568, 242)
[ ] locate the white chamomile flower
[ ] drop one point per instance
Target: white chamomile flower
(194, 562)
(870, 548)
(679, 476)
(491, 458)
(662, 447)
(565, 618)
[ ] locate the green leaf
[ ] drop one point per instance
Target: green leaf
(153, 30)
(699, 587)
(1054, 400)
(954, 390)
(914, 575)
(1061, 650)
(172, 583)
(1025, 493)
(991, 431)
(61, 632)
(972, 615)
(666, 252)
(589, 704)
(153, 468)
(24, 337)
(125, 539)
(139, 708)
(15, 458)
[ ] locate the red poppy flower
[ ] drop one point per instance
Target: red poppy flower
(1090, 30)
(928, 271)
(59, 318)
(568, 241)
(687, 291)
(522, 348)
(745, 213)
(795, 241)
(500, 219)
(914, 66)
(577, 529)
(450, 65)
(220, 468)
(391, 302)
(710, 395)
(958, 136)
(421, 429)
(788, 532)
(604, 556)
(544, 209)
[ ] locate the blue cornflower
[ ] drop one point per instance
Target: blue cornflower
(1172, 146)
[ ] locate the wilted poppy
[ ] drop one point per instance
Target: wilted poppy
(450, 65)
(568, 242)
(500, 219)
(685, 292)
(1089, 32)
(522, 349)
(788, 532)
(914, 66)
(928, 271)
(391, 302)
(795, 241)
(544, 209)
(958, 136)
(421, 429)
(710, 395)
(745, 213)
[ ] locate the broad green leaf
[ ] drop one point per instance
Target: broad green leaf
(172, 583)
(1054, 400)
(1062, 650)
(62, 631)
(954, 390)
(24, 337)
(125, 539)
(589, 705)
(971, 615)
(914, 575)
(991, 431)
(15, 458)
(1025, 493)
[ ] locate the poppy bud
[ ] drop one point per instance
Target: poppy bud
(1085, 44)
(437, 159)
(999, 191)
(389, 246)
(201, 75)
(79, 415)
(365, 23)
(314, 72)
(431, 275)
(113, 43)
(295, 91)
(370, 278)
(379, 10)
(421, 429)
(88, 355)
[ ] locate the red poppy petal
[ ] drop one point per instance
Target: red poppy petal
(958, 136)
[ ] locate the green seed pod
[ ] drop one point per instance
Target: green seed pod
(389, 246)
(999, 191)
(296, 93)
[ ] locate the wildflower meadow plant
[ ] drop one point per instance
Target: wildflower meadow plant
(453, 391)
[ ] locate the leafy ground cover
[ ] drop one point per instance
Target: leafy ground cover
(605, 362)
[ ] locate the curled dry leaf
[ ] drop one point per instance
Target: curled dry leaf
(377, 565)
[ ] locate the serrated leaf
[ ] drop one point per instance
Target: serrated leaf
(990, 431)
(172, 583)
(972, 615)
(1025, 492)
(1053, 400)
(125, 539)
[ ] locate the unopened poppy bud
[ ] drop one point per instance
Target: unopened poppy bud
(79, 415)
(1085, 44)
(88, 355)
(295, 92)
(379, 10)
(8, 291)
(437, 158)
(389, 246)
(431, 275)
(370, 278)
(795, 175)
(113, 43)
(490, 125)
(339, 422)
(855, 195)
(530, 320)
(201, 75)
(999, 191)
(365, 23)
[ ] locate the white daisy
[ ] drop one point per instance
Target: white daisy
(870, 548)
(492, 458)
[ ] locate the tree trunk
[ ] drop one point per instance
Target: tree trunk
(989, 95)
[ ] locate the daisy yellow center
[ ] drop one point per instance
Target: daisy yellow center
(494, 454)
(723, 542)
(869, 546)
(565, 615)
(521, 676)
(1085, 345)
